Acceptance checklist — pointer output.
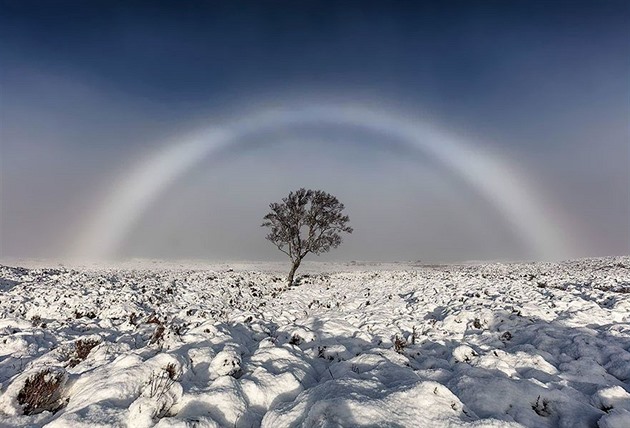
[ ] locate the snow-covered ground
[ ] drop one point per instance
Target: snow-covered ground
(397, 345)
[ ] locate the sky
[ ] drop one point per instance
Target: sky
(92, 92)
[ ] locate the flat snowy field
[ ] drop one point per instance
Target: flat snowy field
(397, 345)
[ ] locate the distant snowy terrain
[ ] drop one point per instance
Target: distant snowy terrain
(396, 345)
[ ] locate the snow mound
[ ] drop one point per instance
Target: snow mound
(402, 345)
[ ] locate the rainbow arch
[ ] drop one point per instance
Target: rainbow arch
(492, 176)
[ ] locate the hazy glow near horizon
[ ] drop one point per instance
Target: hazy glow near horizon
(495, 179)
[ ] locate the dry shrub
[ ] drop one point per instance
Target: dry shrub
(78, 314)
(171, 371)
(296, 340)
(82, 349)
(153, 319)
(541, 407)
(399, 344)
(84, 346)
(42, 392)
(36, 320)
(158, 334)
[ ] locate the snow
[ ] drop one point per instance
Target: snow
(146, 344)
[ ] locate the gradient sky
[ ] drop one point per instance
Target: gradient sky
(91, 88)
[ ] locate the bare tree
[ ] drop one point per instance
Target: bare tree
(307, 221)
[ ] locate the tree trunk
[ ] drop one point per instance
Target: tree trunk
(296, 265)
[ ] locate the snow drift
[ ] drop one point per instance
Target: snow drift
(400, 345)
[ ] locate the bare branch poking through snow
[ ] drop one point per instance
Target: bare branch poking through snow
(161, 381)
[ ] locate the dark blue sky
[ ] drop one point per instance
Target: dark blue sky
(452, 54)
(87, 85)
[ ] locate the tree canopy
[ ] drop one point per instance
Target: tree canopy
(306, 221)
